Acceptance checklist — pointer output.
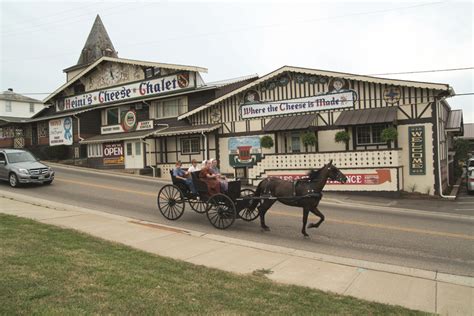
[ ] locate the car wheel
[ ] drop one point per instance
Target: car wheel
(48, 182)
(13, 179)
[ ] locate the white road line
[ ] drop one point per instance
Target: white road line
(464, 209)
(465, 202)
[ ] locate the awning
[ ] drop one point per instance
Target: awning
(183, 130)
(287, 123)
(367, 116)
(119, 137)
(455, 121)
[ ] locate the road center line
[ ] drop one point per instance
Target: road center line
(382, 226)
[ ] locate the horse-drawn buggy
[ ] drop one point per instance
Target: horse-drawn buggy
(222, 209)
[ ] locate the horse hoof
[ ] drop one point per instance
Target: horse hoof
(305, 236)
(266, 229)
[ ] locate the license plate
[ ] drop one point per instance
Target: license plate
(40, 177)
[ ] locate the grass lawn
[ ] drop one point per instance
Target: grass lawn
(49, 270)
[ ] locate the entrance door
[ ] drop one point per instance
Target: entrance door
(133, 155)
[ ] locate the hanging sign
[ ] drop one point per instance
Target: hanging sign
(60, 132)
(144, 125)
(328, 101)
(130, 91)
(416, 142)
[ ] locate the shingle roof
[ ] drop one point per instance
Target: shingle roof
(12, 96)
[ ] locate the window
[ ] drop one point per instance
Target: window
(43, 129)
(138, 148)
(148, 73)
(113, 117)
(32, 108)
(168, 108)
(370, 134)
(190, 146)
(129, 149)
(94, 150)
(8, 106)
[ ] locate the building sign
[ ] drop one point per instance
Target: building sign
(416, 140)
(130, 91)
(111, 129)
(357, 179)
(144, 125)
(244, 151)
(60, 132)
(113, 154)
(129, 120)
(328, 101)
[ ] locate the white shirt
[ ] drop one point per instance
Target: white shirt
(192, 168)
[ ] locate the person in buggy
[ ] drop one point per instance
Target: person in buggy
(210, 178)
(181, 174)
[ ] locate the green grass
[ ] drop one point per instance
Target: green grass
(49, 270)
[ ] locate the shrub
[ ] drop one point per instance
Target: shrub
(342, 137)
(389, 134)
(266, 142)
(309, 139)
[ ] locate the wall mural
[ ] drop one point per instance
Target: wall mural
(244, 151)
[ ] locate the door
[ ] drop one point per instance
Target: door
(133, 155)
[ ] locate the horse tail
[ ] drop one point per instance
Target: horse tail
(258, 192)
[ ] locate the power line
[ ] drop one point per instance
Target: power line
(421, 71)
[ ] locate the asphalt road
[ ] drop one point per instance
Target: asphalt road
(434, 241)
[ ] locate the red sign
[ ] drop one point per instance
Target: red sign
(381, 176)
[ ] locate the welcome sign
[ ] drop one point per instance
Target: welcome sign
(134, 90)
(329, 101)
(416, 139)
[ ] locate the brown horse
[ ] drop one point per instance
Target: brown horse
(305, 193)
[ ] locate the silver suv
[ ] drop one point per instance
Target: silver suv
(20, 166)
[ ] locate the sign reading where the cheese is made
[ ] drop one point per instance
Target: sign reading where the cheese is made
(328, 101)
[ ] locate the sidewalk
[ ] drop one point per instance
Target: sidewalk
(412, 288)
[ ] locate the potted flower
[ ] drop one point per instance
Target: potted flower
(342, 137)
(389, 134)
(266, 142)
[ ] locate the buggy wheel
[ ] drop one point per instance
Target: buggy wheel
(198, 205)
(221, 211)
(245, 213)
(171, 202)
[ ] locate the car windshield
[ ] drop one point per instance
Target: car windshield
(21, 156)
(471, 163)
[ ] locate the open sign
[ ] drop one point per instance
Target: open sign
(113, 150)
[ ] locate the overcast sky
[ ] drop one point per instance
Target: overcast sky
(235, 38)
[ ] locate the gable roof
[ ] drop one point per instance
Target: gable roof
(123, 61)
(348, 76)
(12, 96)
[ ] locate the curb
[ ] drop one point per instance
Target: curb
(382, 267)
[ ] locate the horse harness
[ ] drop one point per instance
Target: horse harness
(310, 193)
